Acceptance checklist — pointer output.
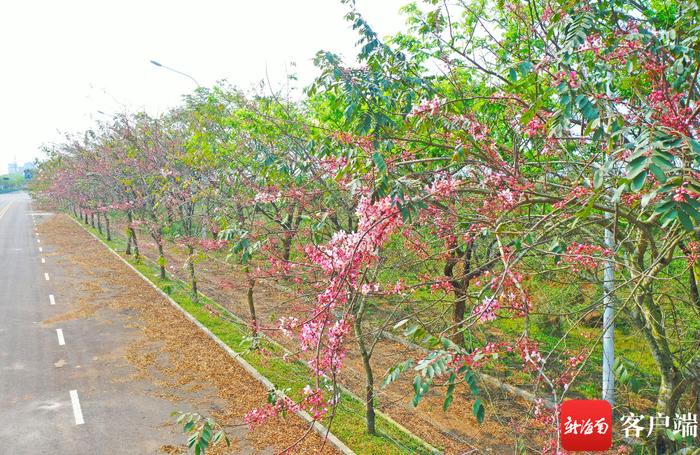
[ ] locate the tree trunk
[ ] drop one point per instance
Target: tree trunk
(92, 220)
(671, 389)
(251, 301)
(458, 314)
(608, 386)
(131, 238)
(161, 256)
(99, 223)
(369, 376)
(287, 246)
(109, 232)
(647, 317)
(193, 277)
(460, 284)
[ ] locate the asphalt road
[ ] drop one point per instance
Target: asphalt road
(56, 396)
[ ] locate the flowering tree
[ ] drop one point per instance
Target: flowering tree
(457, 170)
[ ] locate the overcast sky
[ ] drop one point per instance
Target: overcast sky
(63, 61)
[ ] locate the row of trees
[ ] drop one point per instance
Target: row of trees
(487, 146)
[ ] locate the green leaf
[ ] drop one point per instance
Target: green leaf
(694, 146)
(448, 401)
(470, 379)
(525, 67)
(598, 178)
(658, 173)
(647, 198)
(478, 410)
(636, 166)
(512, 74)
(685, 220)
(618, 193)
(379, 162)
(638, 181)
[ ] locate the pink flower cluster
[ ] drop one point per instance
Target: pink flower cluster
(530, 354)
(343, 259)
(365, 143)
(443, 285)
(311, 402)
(507, 193)
(669, 109)
(331, 164)
(578, 195)
(570, 369)
(692, 252)
(508, 290)
(570, 78)
(265, 197)
(486, 310)
(346, 253)
(332, 355)
(535, 127)
(287, 325)
(681, 194)
(428, 107)
(258, 416)
(444, 185)
(314, 403)
(367, 288)
(584, 256)
(211, 244)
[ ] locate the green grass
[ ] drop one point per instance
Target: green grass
(348, 423)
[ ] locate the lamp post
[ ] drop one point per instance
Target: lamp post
(158, 64)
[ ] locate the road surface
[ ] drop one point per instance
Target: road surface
(56, 394)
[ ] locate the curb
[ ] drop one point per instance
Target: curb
(318, 427)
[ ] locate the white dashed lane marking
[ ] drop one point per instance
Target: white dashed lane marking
(77, 412)
(61, 340)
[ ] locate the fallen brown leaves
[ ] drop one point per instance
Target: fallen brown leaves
(178, 358)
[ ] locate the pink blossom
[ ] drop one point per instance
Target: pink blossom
(486, 310)
(428, 108)
(444, 186)
(583, 256)
(288, 324)
(267, 196)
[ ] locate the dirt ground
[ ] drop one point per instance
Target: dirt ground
(181, 363)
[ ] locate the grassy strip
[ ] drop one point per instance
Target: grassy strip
(348, 423)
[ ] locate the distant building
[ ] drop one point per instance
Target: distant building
(27, 169)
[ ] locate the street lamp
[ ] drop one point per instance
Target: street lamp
(175, 71)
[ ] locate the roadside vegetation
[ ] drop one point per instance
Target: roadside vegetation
(502, 187)
(11, 182)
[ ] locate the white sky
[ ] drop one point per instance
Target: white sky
(62, 61)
